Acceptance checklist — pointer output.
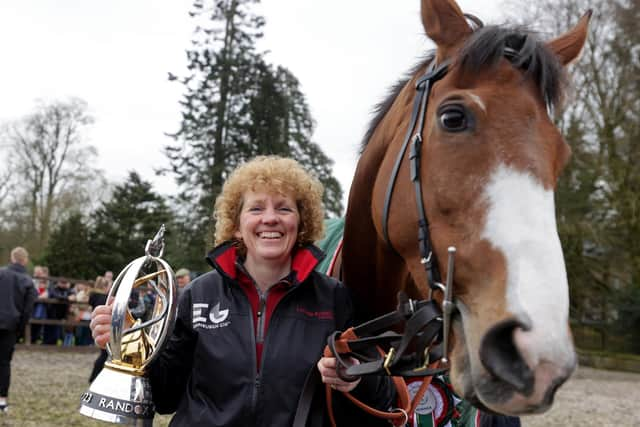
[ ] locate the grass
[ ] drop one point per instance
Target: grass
(46, 387)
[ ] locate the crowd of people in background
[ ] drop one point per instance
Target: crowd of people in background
(72, 300)
(67, 300)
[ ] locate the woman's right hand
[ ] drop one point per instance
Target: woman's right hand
(101, 325)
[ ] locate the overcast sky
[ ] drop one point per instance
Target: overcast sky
(116, 54)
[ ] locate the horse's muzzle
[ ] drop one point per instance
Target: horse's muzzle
(520, 378)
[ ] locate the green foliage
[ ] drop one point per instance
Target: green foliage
(123, 224)
(601, 216)
(235, 106)
(185, 248)
(67, 253)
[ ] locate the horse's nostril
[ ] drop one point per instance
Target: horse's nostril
(500, 356)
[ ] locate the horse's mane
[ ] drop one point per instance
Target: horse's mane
(382, 108)
(481, 52)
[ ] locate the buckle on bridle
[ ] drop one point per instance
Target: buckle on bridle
(388, 359)
(425, 365)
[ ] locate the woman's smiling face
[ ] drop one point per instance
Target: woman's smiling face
(268, 226)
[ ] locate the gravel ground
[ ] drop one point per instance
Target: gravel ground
(593, 398)
(46, 388)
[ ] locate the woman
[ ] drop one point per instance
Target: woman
(249, 332)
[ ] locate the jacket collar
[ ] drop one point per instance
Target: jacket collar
(224, 257)
(18, 268)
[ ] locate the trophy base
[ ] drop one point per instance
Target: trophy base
(120, 398)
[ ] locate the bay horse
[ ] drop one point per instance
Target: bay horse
(480, 176)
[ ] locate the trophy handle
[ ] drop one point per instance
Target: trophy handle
(126, 281)
(121, 290)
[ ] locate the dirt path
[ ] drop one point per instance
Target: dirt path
(46, 388)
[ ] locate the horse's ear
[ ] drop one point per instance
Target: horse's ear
(444, 22)
(569, 45)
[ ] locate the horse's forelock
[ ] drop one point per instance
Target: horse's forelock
(486, 47)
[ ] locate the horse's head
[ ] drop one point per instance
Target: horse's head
(489, 164)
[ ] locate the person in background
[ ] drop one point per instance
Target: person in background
(98, 296)
(17, 297)
(60, 291)
(108, 275)
(183, 277)
(81, 312)
(249, 332)
(136, 303)
(41, 283)
(149, 300)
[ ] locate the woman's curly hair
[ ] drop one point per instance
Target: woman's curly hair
(272, 174)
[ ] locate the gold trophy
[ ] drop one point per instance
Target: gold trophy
(121, 393)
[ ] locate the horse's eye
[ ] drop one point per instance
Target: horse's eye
(453, 118)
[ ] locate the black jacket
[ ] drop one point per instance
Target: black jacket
(208, 372)
(17, 296)
(60, 310)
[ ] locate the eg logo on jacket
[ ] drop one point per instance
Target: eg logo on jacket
(216, 318)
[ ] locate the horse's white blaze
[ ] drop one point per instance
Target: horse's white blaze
(521, 223)
(475, 98)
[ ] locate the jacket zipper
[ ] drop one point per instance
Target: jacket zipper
(258, 337)
(273, 315)
(262, 302)
(257, 378)
(254, 399)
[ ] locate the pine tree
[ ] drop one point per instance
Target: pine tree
(214, 105)
(235, 106)
(124, 223)
(67, 253)
(281, 123)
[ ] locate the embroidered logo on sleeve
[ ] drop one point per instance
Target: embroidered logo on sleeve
(209, 319)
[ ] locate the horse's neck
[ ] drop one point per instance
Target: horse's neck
(372, 271)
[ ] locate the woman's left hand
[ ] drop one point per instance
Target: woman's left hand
(327, 368)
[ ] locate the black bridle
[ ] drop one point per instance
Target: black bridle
(423, 90)
(427, 256)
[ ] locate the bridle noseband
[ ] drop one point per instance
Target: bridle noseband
(427, 256)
